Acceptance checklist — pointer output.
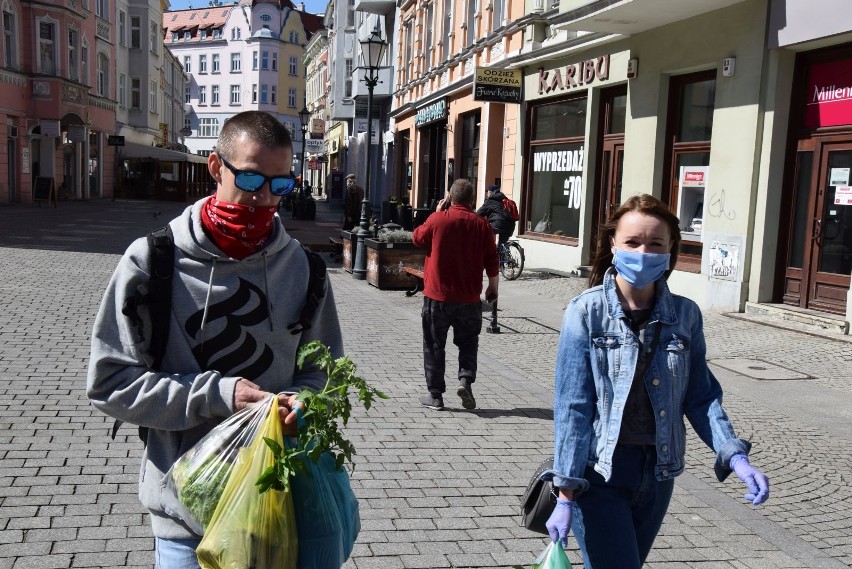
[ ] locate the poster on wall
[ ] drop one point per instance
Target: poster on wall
(724, 261)
(25, 160)
(843, 196)
(557, 189)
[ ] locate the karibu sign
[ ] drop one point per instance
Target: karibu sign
(573, 75)
(497, 85)
(829, 95)
(430, 113)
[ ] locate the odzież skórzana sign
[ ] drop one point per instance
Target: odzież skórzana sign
(497, 85)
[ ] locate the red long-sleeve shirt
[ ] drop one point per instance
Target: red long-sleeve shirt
(459, 245)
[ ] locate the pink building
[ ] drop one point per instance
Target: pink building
(57, 98)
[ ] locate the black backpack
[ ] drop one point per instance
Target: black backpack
(158, 297)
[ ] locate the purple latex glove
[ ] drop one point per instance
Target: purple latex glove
(755, 480)
(559, 523)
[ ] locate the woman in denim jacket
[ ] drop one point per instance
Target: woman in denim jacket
(630, 365)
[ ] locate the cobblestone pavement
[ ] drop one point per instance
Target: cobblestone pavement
(436, 489)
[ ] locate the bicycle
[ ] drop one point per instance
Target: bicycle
(511, 259)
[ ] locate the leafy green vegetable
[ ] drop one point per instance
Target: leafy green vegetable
(201, 490)
(320, 433)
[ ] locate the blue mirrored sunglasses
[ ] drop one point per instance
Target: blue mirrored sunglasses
(249, 181)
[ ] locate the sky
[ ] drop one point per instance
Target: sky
(313, 6)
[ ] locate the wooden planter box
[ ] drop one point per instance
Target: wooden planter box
(350, 246)
(385, 261)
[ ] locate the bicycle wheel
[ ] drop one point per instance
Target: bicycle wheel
(512, 263)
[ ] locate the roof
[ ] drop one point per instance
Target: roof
(312, 23)
(207, 17)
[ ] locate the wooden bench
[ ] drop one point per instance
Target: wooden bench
(418, 278)
(337, 252)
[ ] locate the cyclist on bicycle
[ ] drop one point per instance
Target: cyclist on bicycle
(498, 216)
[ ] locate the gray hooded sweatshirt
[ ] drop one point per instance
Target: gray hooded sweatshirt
(228, 321)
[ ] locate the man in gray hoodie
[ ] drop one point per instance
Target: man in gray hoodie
(239, 281)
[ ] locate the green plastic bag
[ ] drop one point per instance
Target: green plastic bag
(553, 557)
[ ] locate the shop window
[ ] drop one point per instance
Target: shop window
(470, 147)
(691, 105)
(557, 156)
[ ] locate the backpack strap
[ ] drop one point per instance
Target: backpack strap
(157, 295)
(317, 277)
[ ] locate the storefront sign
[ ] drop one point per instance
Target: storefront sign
(843, 196)
(318, 127)
(115, 140)
(497, 85)
(76, 133)
(314, 146)
(573, 75)
(693, 176)
(25, 160)
(49, 127)
(829, 94)
(361, 126)
(432, 112)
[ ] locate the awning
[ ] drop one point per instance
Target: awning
(133, 150)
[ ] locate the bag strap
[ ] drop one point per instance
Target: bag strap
(317, 276)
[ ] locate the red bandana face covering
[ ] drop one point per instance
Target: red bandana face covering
(238, 230)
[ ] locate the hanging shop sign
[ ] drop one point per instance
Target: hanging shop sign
(49, 127)
(497, 85)
(829, 94)
(573, 75)
(431, 113)
(76, 133)
(318, 127)
(115, 140)
(314, 146)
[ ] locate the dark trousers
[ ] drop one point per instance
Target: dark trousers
(616, 522)
(466, 322)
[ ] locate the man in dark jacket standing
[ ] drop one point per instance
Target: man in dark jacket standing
(459, 246)
(352, 203)
(496, 214)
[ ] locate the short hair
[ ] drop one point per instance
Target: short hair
(350, 177)
(493, 188)
(648, 205)
(462, 191)
(259, 126)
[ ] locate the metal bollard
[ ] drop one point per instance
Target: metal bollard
(493, 328)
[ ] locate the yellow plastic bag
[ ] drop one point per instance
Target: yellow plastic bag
(249, 530)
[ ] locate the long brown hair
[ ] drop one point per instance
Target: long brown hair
(647, 204)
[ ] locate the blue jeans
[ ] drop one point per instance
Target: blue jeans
(616, 522)
(176, 553)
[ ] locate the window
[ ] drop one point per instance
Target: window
(154, 96)
(235, 33)
(135, 32)
(470, 147)
(175, 36)
(217, 33)
(154, 37)
(448, 29)
(264, 94)
(122, 28)
(291, 98)
(409, 50)
(202, 63)
(497, 13)
(266, 18)
(208, 127)
(47, 48)
(135, 93)
(294, 65)
(202, 95)
(103, 75)
(294, 37)
(187, 35)
(430, 21)
(350, 13)
(10, 40)
(274, 61)
(73, 55)
(203, 34)
(215, 63)
(187, 123)
(187, 93)
(254, 60)
(187, 64)
(235, 63)
(122, 91)
(347, 88)
(273, 95)
(235, 94)
(84, 62)
(214, 95)
(471, 21)
(556, 178)
(688, 132)
(264, 60)
(254, 93)
(102, 9)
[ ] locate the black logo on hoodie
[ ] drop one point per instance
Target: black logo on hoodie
(233, 351)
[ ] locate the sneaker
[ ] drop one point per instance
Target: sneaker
(465, 391)
(432, 402)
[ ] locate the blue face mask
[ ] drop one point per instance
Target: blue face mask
(640, 269)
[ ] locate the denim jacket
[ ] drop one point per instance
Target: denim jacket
(595, 365)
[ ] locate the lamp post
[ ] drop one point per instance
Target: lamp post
(372, 51)
(304, 117)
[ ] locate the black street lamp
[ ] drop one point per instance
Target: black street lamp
(304, 117)
(372, 51)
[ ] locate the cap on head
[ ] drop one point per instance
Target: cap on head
(493, 188)
(350, 177)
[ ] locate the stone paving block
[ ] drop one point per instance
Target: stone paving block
(43, 562)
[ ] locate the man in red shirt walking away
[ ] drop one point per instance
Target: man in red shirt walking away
(459, 246)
